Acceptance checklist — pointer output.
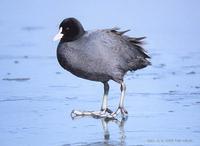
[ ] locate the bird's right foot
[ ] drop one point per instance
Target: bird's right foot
(121, 110)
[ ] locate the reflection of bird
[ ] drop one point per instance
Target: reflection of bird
(99, 55)
(107, 142)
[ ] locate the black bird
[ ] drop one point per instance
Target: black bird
(100, 55)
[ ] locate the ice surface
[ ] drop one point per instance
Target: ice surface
(37, 95)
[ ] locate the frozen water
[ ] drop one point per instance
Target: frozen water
(37, 95)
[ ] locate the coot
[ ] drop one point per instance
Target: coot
(100, 55)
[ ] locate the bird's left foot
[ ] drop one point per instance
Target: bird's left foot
(104, 113)
(121, 110)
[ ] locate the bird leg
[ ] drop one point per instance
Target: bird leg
(121, 108)
(104, 112)
(104, 106)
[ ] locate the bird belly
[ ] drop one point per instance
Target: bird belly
(90, 76)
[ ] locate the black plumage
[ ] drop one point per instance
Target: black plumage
(99, 55)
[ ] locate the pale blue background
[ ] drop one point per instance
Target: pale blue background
(162, 100)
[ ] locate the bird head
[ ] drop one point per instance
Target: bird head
(70, 29)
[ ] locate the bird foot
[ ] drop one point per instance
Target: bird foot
(104, 113)
(121, 110)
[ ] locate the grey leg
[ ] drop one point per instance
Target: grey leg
(123, 89)
(105, 97)
(104, 106)
(104, 112)
(121, 103)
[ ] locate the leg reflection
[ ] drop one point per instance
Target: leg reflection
(105, 129)
(120, 123)
(105, 122)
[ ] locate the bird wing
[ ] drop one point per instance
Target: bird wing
(127, 51)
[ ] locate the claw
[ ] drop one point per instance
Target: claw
(109, 110)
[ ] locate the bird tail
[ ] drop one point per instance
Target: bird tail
(137, 42)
